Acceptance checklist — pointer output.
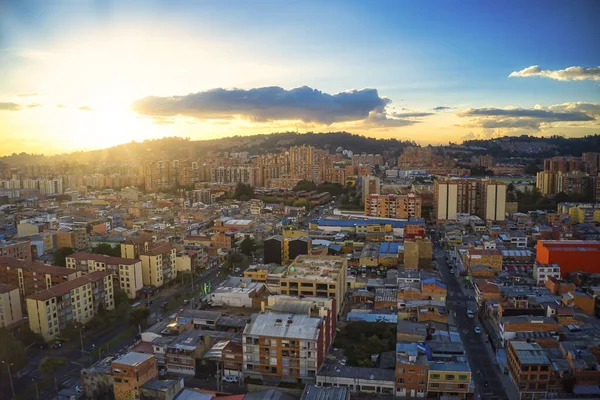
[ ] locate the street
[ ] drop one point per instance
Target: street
(68, 374)
(486, 374)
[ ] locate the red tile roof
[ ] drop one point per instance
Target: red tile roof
(103, 258)
(35, 267)
(65, 287)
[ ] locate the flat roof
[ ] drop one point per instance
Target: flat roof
(132, 358)
(530, 353)
(282, 325)
(63, 288)
(449, 366)
(319, 268)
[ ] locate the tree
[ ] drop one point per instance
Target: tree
(561, 197)
(309, 186)
(531, 169)
(49, 365)
(11, 351)
(71, 331)
(27, 337)
(247, 246)
(120, 297)
(139, 316)
(107, 250)
(61, 254)
(243, 192)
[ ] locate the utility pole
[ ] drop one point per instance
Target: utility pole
(37, 393)
(10, 377)
(81, 338)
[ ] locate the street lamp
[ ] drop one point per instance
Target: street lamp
(10, 376)
(37, 393)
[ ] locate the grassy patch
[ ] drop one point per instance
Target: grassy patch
(106, 346)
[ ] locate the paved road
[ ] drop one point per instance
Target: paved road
(486, 375)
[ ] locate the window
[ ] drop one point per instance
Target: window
(400, 370)
(435, 385)
(422, 371)
(449, 377)
(435, 376)
(400, 380)
(462, 377)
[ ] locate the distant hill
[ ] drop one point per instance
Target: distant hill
(180, 148)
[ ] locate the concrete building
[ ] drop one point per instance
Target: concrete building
(448, 378)
(417, 253)
(570, 255)
(130, 372)
(370, 185)
(543, 272)
(31, 277)
(77, 239)
(290, 347)
(156, 389)
(393, 206)
(482, 197)
(159, 265)
(10, 306)
(20, 250)
(529, 369)
(316, 276)
(78, 300)
(127, 272)
(236, 292)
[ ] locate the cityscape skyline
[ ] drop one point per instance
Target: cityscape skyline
(111, 73)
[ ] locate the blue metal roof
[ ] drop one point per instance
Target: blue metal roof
(361, 222)
(357, 316)
(335, 247)
(389, 247)
(435, 281)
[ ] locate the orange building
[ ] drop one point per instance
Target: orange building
(393, 206)
(571, 255)
(130, 372)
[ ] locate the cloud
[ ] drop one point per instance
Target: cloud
(85, 108)
(61, 106)
(381, 120)
(26, 94)
(33, 105)
(441, 108)
(412, 114)
(567, 74)
(530, 118)
(549, 116)
(269, 104)
(9, 106)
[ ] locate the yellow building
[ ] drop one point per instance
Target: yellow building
(78, 300)
(10, 306)
(316, 276)
(159, 265)
(127, 272)
(258, 273)
(449, 378)
(417, 253)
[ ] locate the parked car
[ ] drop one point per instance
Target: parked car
(477, 330)
(186, 302)
(163, 304)
(230, 379)
(470, 314)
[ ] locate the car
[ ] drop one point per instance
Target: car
(186, 302)
(477, 330)
(163, 304)
(470, 314)
(78, 389)
(230, 379)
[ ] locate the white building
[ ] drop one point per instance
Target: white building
(236, 292)
(542, 272)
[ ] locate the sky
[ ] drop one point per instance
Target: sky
(88, 74)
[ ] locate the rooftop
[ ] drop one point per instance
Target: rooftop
(320, 268)
(291, 326)
(161, 249)
(530, 353)
(449, 366)
(4, 288)
(132, 359)
(102, 258)
(35, 266)
(160, 385)
(63, 288)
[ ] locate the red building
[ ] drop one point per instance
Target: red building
(571, 255)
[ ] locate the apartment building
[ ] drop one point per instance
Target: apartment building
(290, 347)
(130, 372)
(159, 265)
(78, 300)
(482, 197)
(77, 239)
(449, 379)
(316, 276)
(132, 248)
(393, 206)
(127, 272)
(370, 185)
(417, 253)
(529, 369)
(543, 272)
(10, 306)
(16, 249)
(412, 371)
(31, 277)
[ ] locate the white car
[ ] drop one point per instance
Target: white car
(477, 330)
(470, 314)
(230, 379)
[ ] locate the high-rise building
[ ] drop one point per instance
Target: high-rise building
(563, 164)
(393, 206)
(482, 197)
(592, 163)
(301, 162)
(370, 185)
